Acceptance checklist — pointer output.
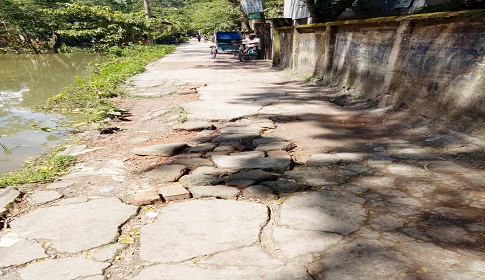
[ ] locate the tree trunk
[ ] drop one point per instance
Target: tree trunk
(29, 41)
(148, 15)
(246, 22)
(148, 11)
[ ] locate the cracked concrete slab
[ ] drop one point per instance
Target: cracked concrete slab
(69, 268)
(17, 251)
(248, 256)
(107, 252)
(75, 227)
(197, 228)
(323, 211)
(294, 243)
(315, 176)
(354, 260)
(259, 192)
(41, 197)
(7, 196)
(194, 126)
(214, 96)
(252, 160)
(163, 150)
(167, 173)
(250, 130)
(218, 191)
(258, 175)
(187, 272)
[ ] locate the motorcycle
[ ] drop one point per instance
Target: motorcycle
(250, 54)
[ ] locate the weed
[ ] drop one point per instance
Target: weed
(182, 110)
(359, 97)
(183, 115)
(182, 119)
(91, 94)
(3, 146)
(372, 103)
(43, 169)
(6, 150)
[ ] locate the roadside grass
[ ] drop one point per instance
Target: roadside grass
(91, 95)
(43, 169)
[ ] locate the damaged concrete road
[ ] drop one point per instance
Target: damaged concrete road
(265, 179)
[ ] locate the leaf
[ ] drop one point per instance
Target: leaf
(279, 201)
(126, 239)
(425, 269)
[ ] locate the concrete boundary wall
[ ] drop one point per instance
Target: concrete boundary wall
(433, 63)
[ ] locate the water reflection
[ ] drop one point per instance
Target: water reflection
(26, 81)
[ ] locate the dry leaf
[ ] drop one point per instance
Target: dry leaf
(126, 239)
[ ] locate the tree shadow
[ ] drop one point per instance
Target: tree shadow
(421, 185)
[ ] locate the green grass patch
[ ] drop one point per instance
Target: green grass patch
(44, 169)
(92, 93)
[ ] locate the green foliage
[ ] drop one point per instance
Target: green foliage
(273, 8)
(327, 10)
(453, 5)
(44, 169)
(92, 93)
(28, 23)
(363, 6)
(77, 24)
(203, 16)
(22, 24)
(66, 25)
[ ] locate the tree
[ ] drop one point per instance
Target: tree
(210, 16)
(23, 22)
(327, 10)
(146, 8)
(453, 5)
(273, 8)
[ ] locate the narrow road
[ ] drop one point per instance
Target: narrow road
(230, 170)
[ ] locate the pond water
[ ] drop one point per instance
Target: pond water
(27, 81)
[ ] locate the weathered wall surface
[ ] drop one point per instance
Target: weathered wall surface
(434, 64)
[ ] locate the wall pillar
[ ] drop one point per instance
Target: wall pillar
(403, 33)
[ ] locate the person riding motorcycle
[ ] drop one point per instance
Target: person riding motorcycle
(251, 43)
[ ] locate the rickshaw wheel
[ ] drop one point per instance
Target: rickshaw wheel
(213, 52)
(240, 55)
